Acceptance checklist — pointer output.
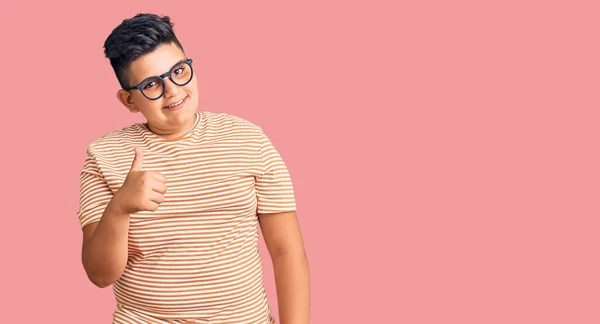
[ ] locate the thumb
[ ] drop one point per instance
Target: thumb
(137, 160)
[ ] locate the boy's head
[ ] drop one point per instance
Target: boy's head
(143, 47)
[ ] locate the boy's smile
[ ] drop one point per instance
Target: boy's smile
(173, 114)
(178, 104)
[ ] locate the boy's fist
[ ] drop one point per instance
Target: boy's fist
(142, 190)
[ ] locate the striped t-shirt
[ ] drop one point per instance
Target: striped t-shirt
(195, 259)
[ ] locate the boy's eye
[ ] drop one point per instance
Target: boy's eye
(150, 84)
(178, 71)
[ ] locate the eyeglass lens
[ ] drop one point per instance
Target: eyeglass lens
(181, 74)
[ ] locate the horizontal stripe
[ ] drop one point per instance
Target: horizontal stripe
(194, 259)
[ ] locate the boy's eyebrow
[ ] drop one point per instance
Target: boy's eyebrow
(172, 66)
(180, 61)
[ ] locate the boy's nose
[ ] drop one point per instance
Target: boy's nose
(171, 89)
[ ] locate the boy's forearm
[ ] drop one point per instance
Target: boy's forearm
(292, 280)
(104, 256)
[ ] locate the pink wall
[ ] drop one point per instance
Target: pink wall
(444, 154)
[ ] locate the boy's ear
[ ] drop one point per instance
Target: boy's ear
(125, 98)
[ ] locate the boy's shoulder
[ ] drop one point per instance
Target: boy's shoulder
(223, 119)
(115, 138)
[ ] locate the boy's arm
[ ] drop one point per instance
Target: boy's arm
(283, 239)
(104, 248)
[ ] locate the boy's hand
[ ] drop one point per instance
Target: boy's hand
(142, 190)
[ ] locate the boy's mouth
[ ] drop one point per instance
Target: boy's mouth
(176, 105)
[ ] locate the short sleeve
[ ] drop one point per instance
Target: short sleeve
(274, 188)
(94, 192)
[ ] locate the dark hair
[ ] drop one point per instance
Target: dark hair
(135, 37)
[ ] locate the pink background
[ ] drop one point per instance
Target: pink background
(444, 154)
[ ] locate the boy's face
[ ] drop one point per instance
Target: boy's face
(162, 121)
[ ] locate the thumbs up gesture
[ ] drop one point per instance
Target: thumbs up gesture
(142, 190)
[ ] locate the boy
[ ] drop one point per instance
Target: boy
(169, 208)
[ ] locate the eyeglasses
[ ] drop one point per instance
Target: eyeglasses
(154, 87)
